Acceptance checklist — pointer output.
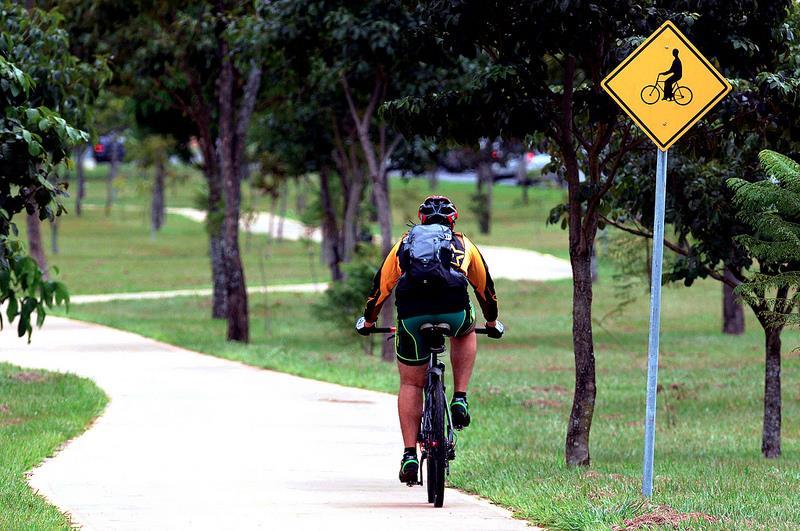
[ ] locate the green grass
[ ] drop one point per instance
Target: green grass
(707, 446)
(39, 411)
(100, 254)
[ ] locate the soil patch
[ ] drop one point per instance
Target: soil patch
(555, 389)
(544, 404)
(4, 408)
(28, 376)
(344, 401)
(663, 516)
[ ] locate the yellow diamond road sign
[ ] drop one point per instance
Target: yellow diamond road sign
(666, 85)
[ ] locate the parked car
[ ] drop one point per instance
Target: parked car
(102, 150)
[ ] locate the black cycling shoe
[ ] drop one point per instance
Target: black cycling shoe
(459, 412)
(409, 469)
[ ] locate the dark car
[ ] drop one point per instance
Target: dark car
(105, 147)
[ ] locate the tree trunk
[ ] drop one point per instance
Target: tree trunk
(157, 205)
(331, 240)
(219, 302)
(219, 298)
(284, 190)
(54, 236)
(35, 246)
(80, 178)
(580, 420)
(771, 436)
(113, 169)
(484, 197)
(732, 308)
(232, 131)
(351, 226)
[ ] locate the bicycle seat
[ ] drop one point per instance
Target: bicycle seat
(434, 334)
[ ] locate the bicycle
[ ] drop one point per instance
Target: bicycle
(651, 94)
(437, 436)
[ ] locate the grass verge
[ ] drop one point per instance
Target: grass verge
(38, 412)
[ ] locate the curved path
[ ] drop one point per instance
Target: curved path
(503, 262)
(194, 441)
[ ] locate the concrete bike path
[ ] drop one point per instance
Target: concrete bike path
(504, 262)
(193, 441)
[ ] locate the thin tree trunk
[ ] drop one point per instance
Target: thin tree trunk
(283, 206)
(580, 420)
(54, 249)
(35, 246)
(157, 204)
(771, 436)
(80, 177)
(219, 297)
(232, 131)
(732, 308)
(113, 169)
(331, 239)
(484, 207)
(351, 226)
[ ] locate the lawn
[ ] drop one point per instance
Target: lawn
(707, 459)
(100, 254)
(38, 412)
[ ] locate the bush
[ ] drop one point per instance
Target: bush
(344, 301)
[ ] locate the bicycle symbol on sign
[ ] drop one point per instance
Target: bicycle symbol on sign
(680, 94)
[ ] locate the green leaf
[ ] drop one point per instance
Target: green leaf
(13, 308)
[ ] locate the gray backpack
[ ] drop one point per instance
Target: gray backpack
(425, 256)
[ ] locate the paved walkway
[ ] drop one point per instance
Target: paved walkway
(193, 441)
(504, 262)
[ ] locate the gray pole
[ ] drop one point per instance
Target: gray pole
(655, 324)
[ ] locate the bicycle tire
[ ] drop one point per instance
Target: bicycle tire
(683, 100)
(647, 98)
(437, 454)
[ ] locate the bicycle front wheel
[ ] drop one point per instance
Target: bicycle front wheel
(437, 450)
(683, 96)
(650, 94)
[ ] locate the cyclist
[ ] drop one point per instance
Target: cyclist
(675, 73)
(421, 299)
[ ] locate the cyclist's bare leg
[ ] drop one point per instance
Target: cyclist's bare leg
(462, 357)
(409, 401)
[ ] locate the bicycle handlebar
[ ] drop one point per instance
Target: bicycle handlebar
(393, 330)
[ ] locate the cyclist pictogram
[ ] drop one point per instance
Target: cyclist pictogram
(680, 94)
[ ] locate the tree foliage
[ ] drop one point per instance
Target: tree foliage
(40, 85)
(772, 208)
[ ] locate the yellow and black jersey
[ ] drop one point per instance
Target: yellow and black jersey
(412, 301)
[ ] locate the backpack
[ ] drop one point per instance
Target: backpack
(426, 255)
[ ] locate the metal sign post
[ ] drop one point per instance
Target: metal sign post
(655, 323)
(664, 104)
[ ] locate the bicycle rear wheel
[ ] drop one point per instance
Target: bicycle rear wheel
(683, 96)
(437, 450)
(650, 94)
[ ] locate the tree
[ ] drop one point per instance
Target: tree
(34, 139)
(153, 151)
(366, 50)
(771, 208)
(61, 81)
(519, 69)
(204, 62)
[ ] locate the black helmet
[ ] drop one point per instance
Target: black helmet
(437, 209)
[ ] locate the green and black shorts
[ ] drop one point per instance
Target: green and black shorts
(408, 340)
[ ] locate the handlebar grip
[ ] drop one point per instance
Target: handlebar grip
(376, 330)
